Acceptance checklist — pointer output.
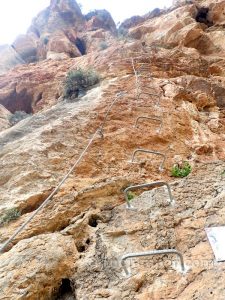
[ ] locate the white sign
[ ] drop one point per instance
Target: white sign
(216, 236)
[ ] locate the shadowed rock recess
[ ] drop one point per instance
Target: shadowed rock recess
(170, 66)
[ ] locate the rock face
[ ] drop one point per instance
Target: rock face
(60, 15)
(170, 67)
(60, 31)
(100, 19)
(56, 29)
(9, 58)
(131, 22)
(4, 118)
(26, 47)
(56, 255)
(155, 224)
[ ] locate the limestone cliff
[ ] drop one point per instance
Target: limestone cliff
(170, 66)
(58, 32)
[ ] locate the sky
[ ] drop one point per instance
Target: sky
(16, 15)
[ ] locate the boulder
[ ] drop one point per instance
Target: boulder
(100, 19)
(178, 26)
(59, 43)
(60, 15)
(217, 12)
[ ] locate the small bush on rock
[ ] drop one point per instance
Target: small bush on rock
(78, 81)
(131, 195)
(103, 45)
(182, 170)
(17, 117)
(10, 215)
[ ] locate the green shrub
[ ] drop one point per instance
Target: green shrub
(103, 45)
(182, 170)
(78, 81)
(10, 215)
(17, 117)
(131, 195)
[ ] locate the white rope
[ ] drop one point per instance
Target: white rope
(98, 131)
(50, 196)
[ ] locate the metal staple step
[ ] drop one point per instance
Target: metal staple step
(150, 253)
(161, 167)
(144, 185)
(149, 118)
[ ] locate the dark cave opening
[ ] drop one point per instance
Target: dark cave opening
(65, 290)
(80, 247)
(81, 46)
(93, 221)
(202, 16)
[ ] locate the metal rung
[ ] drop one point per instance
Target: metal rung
(143, 63)
(161, 167)
(152, 184)
(147, 76)
(149, 118)
(147, 90)
(151, 253)
(145, 84)
(144, 73)
(149, 94)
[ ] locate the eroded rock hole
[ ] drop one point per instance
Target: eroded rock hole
(206, 108)
(202, 16)
(93, 221)
(81, 46)
(80, 247)
(66, 291)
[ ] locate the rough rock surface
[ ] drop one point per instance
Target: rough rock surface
(58, 32)
(4, 118)
(9, 58)
(37, 273)
(26, 47)
(155, 224)
(72, 248)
